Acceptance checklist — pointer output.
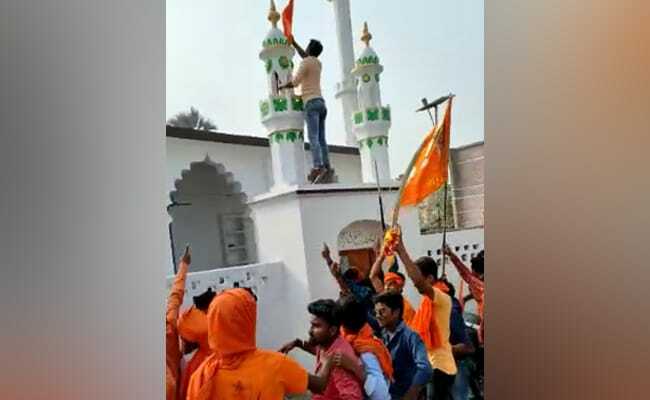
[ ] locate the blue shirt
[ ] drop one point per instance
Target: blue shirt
(410, 362)
(458, 331)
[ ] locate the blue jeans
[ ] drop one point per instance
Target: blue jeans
(460, 389)
(315, 113)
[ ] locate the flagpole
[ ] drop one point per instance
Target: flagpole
(381, 203)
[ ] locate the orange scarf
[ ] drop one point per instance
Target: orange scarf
(231, 335)
(425, 324)
(365, 342)
(409, 312)
(393, 277)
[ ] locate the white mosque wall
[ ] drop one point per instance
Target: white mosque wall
(250, 165)
(465, 243)
(268, 281)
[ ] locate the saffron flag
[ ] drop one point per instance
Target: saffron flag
(430, 166)
(287, 20)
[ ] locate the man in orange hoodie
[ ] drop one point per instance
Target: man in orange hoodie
(172, 347)
(237, 369)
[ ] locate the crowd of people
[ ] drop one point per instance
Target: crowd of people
(369, 343)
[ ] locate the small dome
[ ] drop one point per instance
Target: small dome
(274, 38)
(368, 57)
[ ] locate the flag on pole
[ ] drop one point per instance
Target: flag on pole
(287, 20)
(430, 167)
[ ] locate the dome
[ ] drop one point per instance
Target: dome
(275, 38)
(368, 57)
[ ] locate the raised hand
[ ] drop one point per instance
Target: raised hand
(187, 257)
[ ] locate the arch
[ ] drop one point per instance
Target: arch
(210, 213)
(356, 243)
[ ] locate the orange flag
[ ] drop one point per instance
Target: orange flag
(430, 167)
(287, 20)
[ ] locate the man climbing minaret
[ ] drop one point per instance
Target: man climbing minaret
(308, 78)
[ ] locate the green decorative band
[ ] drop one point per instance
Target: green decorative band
(368, 60)
(373, 141)
(269, 65)
(297, 104)
(377, 77)
(372, 114)
(280, 104)
(290, 136)
(276, 41)
(284, 62)
(264, 108)
(385, 113)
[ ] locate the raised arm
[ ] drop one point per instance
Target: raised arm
(462, 269)
(413, 271)
(175, 298)
(334, 269)
(375, 271)
(301, 52)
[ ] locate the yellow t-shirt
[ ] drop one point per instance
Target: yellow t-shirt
(442, 358)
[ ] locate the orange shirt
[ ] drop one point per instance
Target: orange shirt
(260, 375)
(409, 311)
(172, 347)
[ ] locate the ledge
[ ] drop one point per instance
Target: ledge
(245, 140)
(318, 189)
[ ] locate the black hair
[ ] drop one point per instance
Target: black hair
(352, 313)
(202, 301)
(250, 290)
(478, 262)
(428, 266)
(325, 309)
(394, 301)
(314, 48)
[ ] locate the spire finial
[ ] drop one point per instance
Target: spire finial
(366, 36)
(274, 15)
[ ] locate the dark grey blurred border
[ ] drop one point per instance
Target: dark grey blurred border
(567, 195)
(83, 219)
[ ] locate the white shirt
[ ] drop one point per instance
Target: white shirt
(376, 385)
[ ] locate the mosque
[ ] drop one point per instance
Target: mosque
(244, 205)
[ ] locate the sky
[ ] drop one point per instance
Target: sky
(428, 48)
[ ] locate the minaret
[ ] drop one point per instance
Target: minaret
(371, 120)
(346, 89)
(282, 111)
